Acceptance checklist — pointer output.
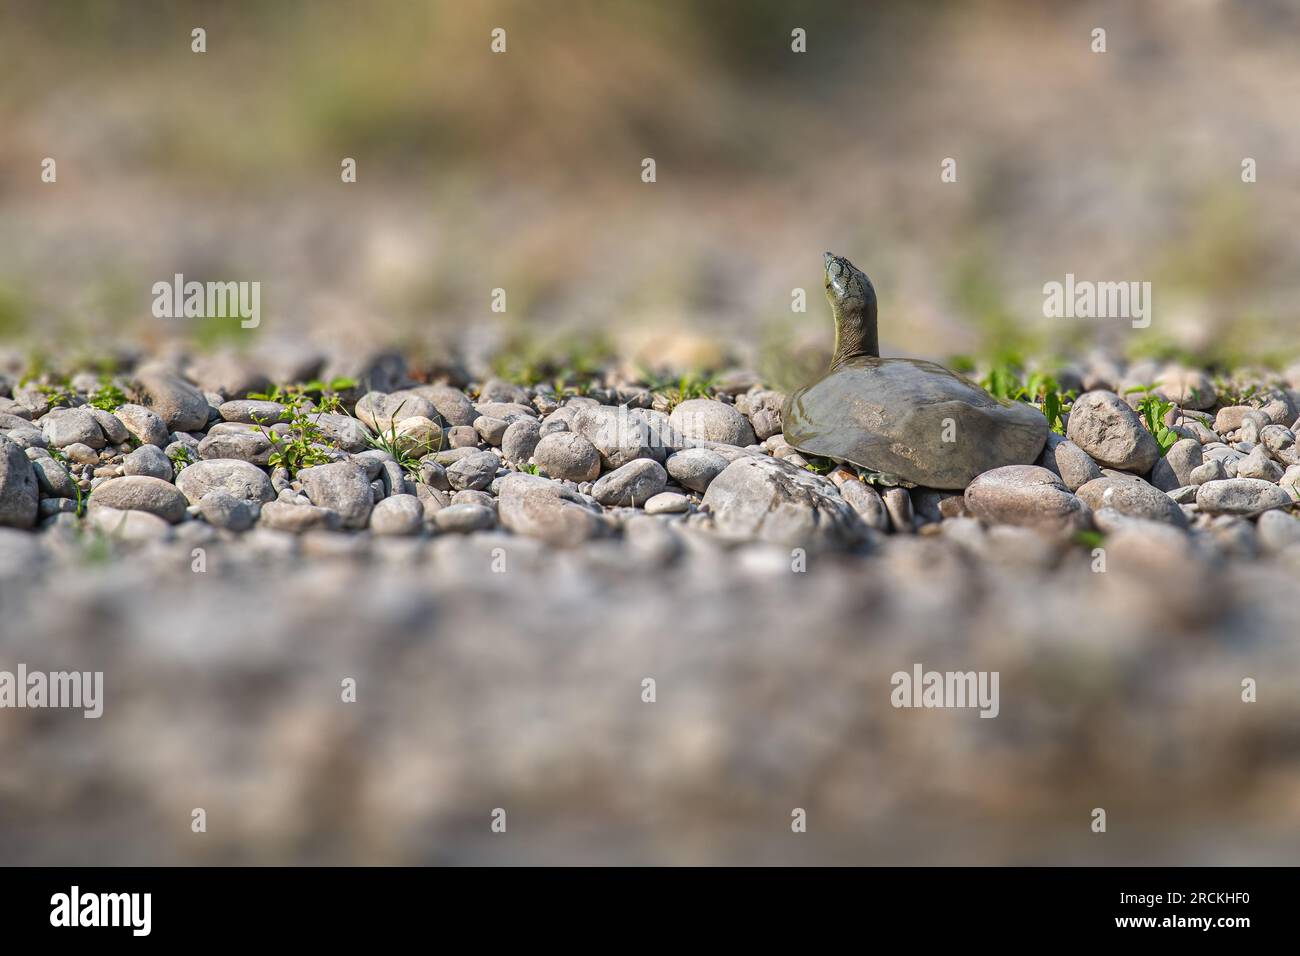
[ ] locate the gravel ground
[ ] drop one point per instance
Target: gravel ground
(500, 602)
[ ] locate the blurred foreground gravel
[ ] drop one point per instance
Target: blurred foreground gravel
(522, 690)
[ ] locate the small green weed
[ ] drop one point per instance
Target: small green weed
(405, 451)
(1152, 409)
(108, 397)
(305, 444)
(58, 455)
(1230, 393)
(180, 456)
(58, 394)
(681, 389)
(821, 466)
(575, 362)
(1089, 539)
(1004, 381)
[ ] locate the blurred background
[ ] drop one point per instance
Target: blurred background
(523, 171)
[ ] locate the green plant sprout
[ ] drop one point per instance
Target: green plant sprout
(1003, 381)
(305, 443)
(62, 460)
(1152, 409)
(681, 389)
(108, 397)
(180, 456)
(406, 451)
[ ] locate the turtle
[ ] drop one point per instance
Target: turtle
(908, 418)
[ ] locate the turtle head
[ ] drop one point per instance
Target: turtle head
(853, 303)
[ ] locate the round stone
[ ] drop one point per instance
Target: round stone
(567, 456)
(631, 485)
(141, 493)
(704, 419)
(397, 515)
(1104, 426)
(1024, 495)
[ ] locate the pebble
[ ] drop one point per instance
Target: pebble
(474, 471)
(297, 519)
(433, 474)
(493, 430)
(341, 487)
(765, 499)
(506, 411)
(141, 493)
(1175, 469)
(499, 390)
(180, 405)
(567, 456)
(1133, 497)
(1277, 530)
(451, 403)
(470, 497)
(694, 468)
(462, 436)
(1187, 388)
(1280, 442)
(54, 479)
(1111, 433)
(229, 375)
(1068, 461)
(18, 487)
(1026, 496)
(620, 435)
(110, 425)
(520, 439)
(127, 525)
(249, 412)
(1240, 496)
(667, 502)
(239, 478)
(349, 433)
(142, 423)
(82, 454)
(1258, 465)
(223, 510)
(148, 460)
(544, 509)
(27, 437)
(1211, 470)
(866, 503)
(397, 515)
(703, 419)
(465, 518)
(763, 408)
(898, 506)
(1290, 482)
(418, 436)
(68, 426)
(250, 445)
(380, 412)
(631, 485)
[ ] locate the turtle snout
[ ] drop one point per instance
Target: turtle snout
(833, 267)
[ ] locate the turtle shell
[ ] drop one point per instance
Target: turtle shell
(911, 418)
